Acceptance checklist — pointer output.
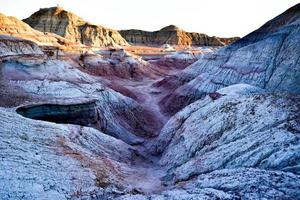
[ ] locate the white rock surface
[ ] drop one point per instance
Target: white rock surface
(10, 46)
(252, 130)
(41, 160)
(182, 55)
(231, 184)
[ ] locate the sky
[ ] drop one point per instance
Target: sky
(224, 18)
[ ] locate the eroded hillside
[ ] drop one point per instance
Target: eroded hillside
(107, 124)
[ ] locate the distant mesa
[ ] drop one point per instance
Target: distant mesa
(75, 29)
(175, 36)
(70, 26)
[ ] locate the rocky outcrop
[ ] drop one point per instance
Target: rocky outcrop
(239, 129)
(117, 63)
(12, 46)
(175, 36)
(231, 184)
(243, 145)
(63, 161)
(58, 161)
(68, 25)
(178, 60)
(267, 58)
(60, 80)
(245, 130)
(11, 26)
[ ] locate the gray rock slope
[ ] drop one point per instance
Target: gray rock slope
(231, 184)
(10, 46)
(44, 160)
(233, 131)
(243, 145)
(41, 160)
(267, 58)
(61, 81)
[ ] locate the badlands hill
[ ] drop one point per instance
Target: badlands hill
(91, 126)
(267, 58)
(175, 36)
(11, 26)
(68, 25)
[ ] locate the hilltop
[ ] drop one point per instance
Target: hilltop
(175, 36)
(74, 28)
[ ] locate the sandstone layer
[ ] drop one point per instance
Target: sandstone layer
(11, 26)
(174, 36)
(68, 25)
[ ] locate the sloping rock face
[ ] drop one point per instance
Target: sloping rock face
(68, 25)
(57, 161)
(179, 60)
(243, 145)
(10, 46)
(267, 58)
(233, 128)
(11, 26)
(60, 80)
(63, 161)
(175, 36)
(245, 128)
(117, 63)
(231, 184)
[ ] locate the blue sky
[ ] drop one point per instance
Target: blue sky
(213, 17)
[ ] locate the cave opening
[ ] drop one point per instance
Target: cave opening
(85, 114)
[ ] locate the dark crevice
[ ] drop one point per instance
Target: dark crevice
(84, 114)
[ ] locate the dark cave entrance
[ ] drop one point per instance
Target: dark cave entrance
(85, 114)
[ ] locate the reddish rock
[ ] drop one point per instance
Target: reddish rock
(215, 95)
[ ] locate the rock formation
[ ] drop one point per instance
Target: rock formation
(68, 25)
(73, 128)
(10, 46)
(175, 36)
(179, 60)
(243, 145)
(231, 132)
(267, 58)
(116, 62)
(11, 26)
(58, 161)
(43, 78)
